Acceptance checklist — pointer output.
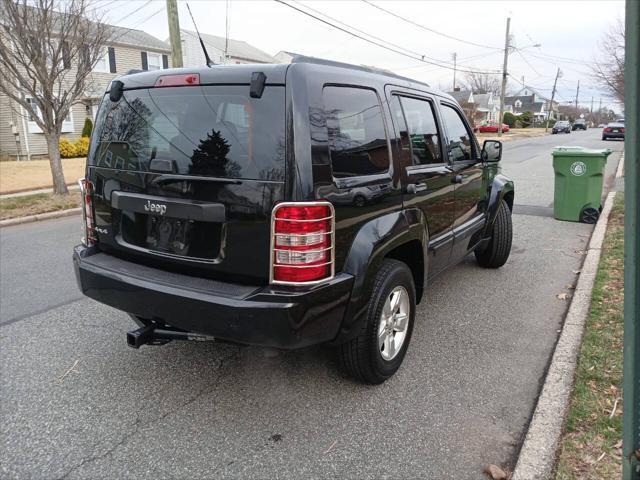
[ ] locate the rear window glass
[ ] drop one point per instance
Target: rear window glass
(215, 131)
(357, 138)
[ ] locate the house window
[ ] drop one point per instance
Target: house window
(518, 103)
(154, 61)
(33, 127)
(102, 64)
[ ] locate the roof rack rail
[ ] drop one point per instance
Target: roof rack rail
(134, 70)
(362, 68)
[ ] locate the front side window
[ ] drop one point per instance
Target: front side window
(357, 137)
(460, 144)
(418, 128)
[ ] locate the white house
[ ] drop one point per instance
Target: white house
(237, 51)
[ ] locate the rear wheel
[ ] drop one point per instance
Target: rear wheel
(376, 353)
(496, 253)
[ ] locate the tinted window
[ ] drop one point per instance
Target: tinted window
(420, 130)
(460, 145)
(211, 130)
(357, 139)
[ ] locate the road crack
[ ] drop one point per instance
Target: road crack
(138, 424)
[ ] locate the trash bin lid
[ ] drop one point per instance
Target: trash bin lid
(581, 152)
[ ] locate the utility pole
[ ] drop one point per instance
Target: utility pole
(226, 33)
(455, 57)
(577, 93)
(174, 33)
(631, 369)
(553, 94)
(504, 77)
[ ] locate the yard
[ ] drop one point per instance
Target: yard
(36, 174)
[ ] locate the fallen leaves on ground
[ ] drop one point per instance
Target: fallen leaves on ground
(495, 472)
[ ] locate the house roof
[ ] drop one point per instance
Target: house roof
(528, 105)
(461, 95)
(482, 100)
(235, 48)
(118, 35)
(137, 38)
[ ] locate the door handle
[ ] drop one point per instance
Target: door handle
(413, 188)
(457, 179)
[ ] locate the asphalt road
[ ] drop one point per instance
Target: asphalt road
(76, 402)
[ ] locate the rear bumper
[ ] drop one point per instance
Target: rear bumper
(267, 316)
(613, 135)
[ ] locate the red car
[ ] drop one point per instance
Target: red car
(492, 128)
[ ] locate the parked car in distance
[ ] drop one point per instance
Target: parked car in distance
(613, 130)
(222, 203)
(561, 126)
(580, 123)
(492, 127)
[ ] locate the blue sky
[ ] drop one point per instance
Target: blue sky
(567, 29)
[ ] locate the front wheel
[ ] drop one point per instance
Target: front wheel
(376, 353)
(496, 253)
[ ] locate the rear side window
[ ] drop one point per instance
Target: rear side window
(460, 145)
(357, 138)
(417, 125)
(217, 131)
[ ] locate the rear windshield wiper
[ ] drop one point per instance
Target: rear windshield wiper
(193, 178)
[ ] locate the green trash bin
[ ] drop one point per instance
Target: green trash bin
(579, 174)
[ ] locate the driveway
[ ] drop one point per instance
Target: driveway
(78, 403)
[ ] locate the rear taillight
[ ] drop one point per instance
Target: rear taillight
(608, 129)
(302, 241)
(86, 189)
(622, 130)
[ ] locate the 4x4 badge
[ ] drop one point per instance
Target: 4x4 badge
(155, 207)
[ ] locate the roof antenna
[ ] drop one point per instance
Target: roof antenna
(204, 49)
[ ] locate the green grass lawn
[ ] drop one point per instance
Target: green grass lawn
(592, 446)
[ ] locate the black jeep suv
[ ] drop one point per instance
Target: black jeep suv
(284, 206)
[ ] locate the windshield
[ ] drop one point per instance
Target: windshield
(217, 131)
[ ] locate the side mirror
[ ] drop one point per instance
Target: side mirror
(491, 151)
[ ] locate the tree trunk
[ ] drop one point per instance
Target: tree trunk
(59, 185)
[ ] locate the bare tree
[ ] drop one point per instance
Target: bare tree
(48, 49)
(483, 82)
(608, 66)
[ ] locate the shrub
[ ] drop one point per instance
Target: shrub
(87, 128)
(510, 119)
(526, 119)
(67, 149)
(78, 148)
(82, 147)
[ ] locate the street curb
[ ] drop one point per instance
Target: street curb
(538, 454)
(42, 216)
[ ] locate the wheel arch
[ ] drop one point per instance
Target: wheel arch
(502, 188)
(400, 235)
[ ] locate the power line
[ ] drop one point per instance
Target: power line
(128, 15)
(420, 58)
(429, 29)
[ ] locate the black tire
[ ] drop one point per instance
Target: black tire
(359, 201)
(496, 253)
(604, 138)
(361, 357)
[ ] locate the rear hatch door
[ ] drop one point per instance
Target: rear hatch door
(185, 177)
